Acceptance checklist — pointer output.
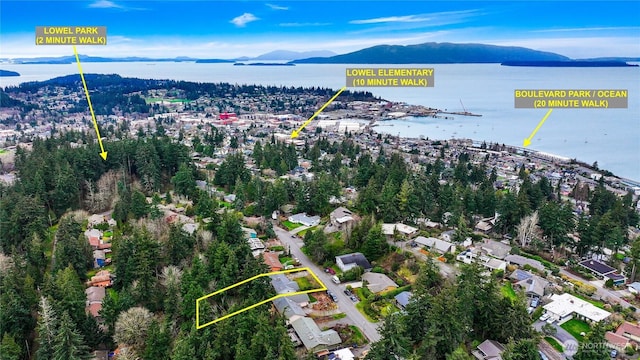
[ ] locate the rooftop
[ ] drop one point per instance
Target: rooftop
(356, 258)
(565, 304)
(597, 267)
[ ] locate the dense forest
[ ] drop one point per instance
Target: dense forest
(160, 269)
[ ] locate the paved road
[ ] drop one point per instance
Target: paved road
(370, 330)
(603, 293)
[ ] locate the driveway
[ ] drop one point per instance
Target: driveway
(561, 334)
(370, 330)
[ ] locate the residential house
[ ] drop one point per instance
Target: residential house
(284, 285)
(95, 294)
(272, 261)
(565, 307)
(533, 286)
(521, 261)
(441, 246)
(405, 231)
(627, 334)
(495, 248)
(288, 307)
(94, 236)
(304, 219)
(402, 299)
(634, 288)
(95, 219)
(99, 258)
(101, 278)
(486, 225)
(349, 261)
(342, 219)
(312, 337)
(378, 283)
(489, 350)
(519, 275)
(492, 264)
(603, 271)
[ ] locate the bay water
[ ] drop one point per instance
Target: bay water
(609, 136)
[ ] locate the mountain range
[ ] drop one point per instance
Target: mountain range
(427, 53)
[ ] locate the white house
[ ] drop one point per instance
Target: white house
(565, 307)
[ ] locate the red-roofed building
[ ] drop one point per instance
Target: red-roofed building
(271, 259)
(101, 279)
(626, 334)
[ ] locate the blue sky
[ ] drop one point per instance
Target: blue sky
(227, 29)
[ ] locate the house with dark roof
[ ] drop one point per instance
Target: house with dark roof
(534, 286)
(349, 261)
(603, 271)
(489, 350)
(519, 275)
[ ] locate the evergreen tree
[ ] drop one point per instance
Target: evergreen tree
(68, 344)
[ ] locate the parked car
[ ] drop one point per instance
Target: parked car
(347, 292)
(535, 301)
(330, 271)
(354, 298)
(335, 279)
(614, 353)
(544, 317)
(332, 296)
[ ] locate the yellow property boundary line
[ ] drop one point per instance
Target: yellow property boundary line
(198, 326)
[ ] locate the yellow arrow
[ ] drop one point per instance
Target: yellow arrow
(295, 133)
(103, 153)
(527, 141)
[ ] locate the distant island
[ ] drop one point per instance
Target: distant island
(263, 64)
(437, 53)
(569, 63)
(426, 53)
(8, 73)
(212, 61)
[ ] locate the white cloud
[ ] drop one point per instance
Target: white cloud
(244, 19)
(105, 4)
(438, 18)
(277, 7)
